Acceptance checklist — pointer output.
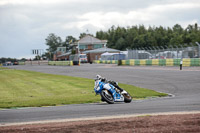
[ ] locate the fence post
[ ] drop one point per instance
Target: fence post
(198, 49)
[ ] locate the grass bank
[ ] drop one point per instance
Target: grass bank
(19, 88)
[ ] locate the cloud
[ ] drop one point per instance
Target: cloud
(168, 14)
(25, 24)
(30, 2)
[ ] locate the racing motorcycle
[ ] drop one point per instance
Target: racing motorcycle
(110, 91)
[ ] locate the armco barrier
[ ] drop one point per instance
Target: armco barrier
(154, 62)
(61, 63)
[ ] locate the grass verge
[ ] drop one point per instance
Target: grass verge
(19, 88)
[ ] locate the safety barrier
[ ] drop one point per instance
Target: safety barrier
(153, 62)
(61, 63)
(21, 63)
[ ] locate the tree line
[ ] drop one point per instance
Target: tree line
(122, 38)
(4, 60)
(134, 37)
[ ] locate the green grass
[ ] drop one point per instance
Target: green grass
(19, 88)
(3, 68)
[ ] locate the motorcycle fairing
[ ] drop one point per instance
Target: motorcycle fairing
(117, 96)
(101, 85)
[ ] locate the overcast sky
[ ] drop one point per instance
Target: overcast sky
(24, 24)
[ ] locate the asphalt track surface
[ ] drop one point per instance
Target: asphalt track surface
(183, 85)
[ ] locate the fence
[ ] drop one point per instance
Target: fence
(165, 53)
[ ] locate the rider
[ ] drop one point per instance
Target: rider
(98, 77)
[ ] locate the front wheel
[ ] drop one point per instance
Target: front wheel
(127, 97)
(107, 96)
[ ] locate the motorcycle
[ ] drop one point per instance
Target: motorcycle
(110, 91)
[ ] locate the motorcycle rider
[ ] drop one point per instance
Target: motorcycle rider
(98, 77)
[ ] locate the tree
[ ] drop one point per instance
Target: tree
(101, 35)
(3, 60)
(140, 36)
(53, 42)
(83, 35)
(192, 33)
(178, 29)
(68, 40)
(120, 44)
(135, 37)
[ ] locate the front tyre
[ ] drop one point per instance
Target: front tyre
(127, 97)
(107, 96)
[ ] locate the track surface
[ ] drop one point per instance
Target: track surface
(184, 85)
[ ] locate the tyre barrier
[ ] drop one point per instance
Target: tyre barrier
(61, 63)
(152, 62)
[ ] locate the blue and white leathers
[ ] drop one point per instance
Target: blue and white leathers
(99, 86)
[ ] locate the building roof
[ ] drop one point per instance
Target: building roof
(101, 50)
(65, 54)
(88, 39)
(106, 54)
(91, 40)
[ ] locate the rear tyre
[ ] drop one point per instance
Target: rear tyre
(127, 98)
(107, 96)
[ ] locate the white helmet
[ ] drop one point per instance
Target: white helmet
(98, 77)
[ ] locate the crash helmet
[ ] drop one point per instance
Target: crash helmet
(98, 77)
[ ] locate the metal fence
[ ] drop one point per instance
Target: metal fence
(165, 53)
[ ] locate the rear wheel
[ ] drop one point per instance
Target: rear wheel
(107, 96)
(127, 98)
